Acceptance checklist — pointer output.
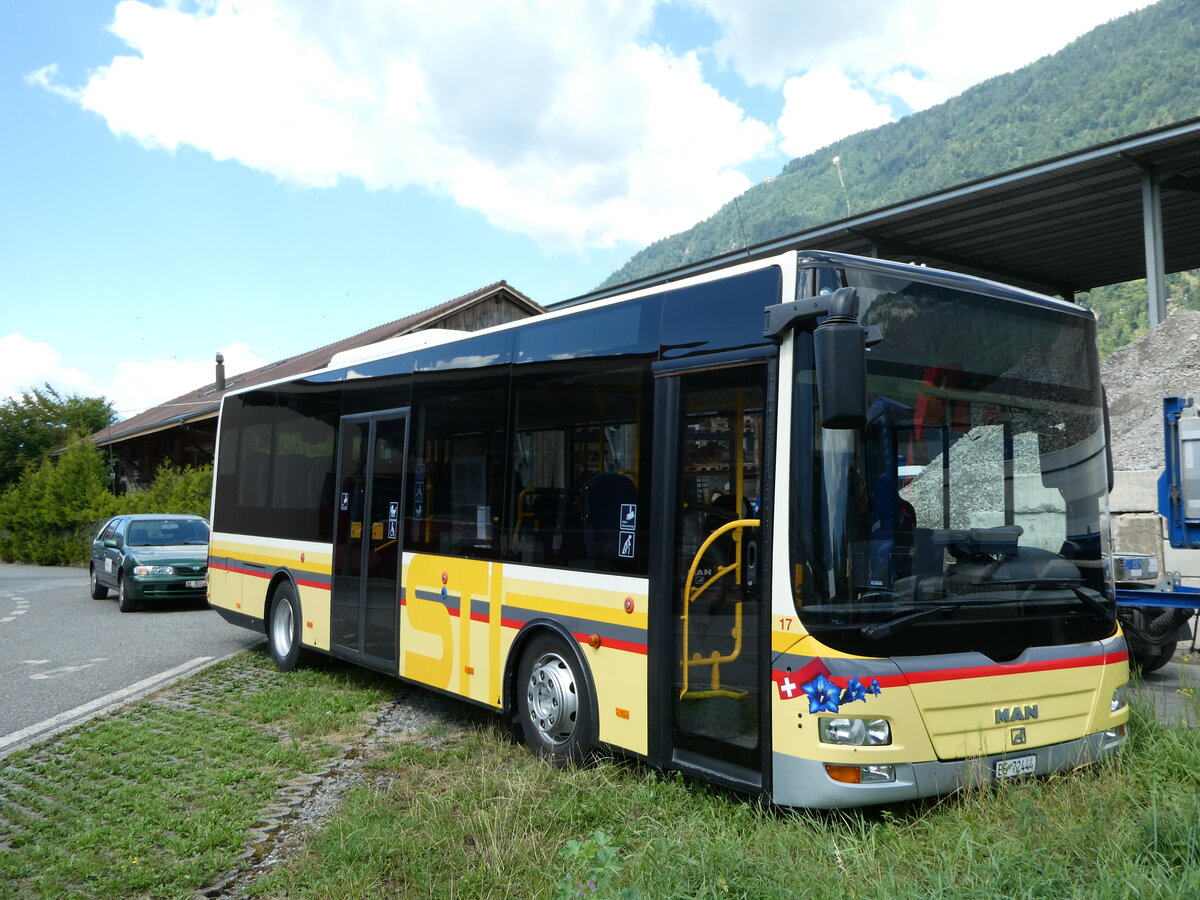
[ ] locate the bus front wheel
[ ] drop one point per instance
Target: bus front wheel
(283, 628)
(553, 702)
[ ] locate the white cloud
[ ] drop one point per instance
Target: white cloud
(823, 105)
(26, 364)
(551, 119)
(137, 386)
(556, 120)
(953, 44)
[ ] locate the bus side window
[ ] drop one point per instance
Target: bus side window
(456, 504)
(579, 447)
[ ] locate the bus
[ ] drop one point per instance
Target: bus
(827, 529)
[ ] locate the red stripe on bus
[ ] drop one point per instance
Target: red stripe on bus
(259, 573)
(614, 644)
(988, 671)
(1047, 665)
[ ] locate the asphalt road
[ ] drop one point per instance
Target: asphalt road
(1172, 688)
(65, 657)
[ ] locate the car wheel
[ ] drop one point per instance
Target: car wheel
(125, 603)
(99, 591)
(283, 629)
(554, 705)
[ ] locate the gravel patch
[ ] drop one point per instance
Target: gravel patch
(306, 802)
(1164, 362)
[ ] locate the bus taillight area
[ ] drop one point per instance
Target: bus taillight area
(861, 732)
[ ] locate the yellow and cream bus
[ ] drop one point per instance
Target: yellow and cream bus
(829, 529)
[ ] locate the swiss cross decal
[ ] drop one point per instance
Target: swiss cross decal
(787, 688)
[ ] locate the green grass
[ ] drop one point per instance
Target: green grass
(158, 800)
(474, 817)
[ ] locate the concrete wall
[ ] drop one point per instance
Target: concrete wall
(1138, 528)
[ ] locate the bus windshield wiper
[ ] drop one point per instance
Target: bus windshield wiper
(876, 631)
(906, 618)
(1085, 596)
(910, 616)
(1095, 605)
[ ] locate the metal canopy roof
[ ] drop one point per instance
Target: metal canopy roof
(1062, 226)
(1059, 226)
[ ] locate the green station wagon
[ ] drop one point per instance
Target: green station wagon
(150, 557)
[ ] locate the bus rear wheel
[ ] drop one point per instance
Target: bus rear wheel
(554, 705)
(283, 629)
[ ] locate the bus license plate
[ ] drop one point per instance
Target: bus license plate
(1015, 768)
(197, 584)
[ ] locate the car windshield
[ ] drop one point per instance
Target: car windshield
(971, 512)
(167, 532)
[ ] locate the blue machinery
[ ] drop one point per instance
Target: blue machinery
(1155, 618)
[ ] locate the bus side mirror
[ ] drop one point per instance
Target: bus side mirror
(840, 348)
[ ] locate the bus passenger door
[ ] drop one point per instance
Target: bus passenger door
(369, 503)
(711, 471)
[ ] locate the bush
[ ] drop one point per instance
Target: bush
(50, 516)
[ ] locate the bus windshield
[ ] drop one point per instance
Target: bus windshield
(970, 513)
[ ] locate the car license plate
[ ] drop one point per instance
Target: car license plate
(198, 583)
(1016, 767)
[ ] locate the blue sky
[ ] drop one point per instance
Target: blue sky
(263, 177)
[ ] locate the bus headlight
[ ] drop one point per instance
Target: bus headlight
(855, 732)
(153, 570)
(1120, 699)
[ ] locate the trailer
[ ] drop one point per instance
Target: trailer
(1155, 616)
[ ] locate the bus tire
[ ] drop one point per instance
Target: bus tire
(554, 705)
(283, 628)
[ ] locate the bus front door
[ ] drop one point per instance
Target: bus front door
(365, 606)
(716, 422)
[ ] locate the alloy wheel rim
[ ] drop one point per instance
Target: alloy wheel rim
(553, 701)
(281, 628)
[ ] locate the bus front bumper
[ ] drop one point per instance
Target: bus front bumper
(807, 783)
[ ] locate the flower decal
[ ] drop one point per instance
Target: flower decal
(874, 688)
(854, 691)
(823, 695)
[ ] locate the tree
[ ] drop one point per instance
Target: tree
(41, 421)
(48, 515)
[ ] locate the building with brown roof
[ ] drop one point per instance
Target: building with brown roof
(183, 430)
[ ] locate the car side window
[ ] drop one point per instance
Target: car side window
(119, 532)
(109, 530)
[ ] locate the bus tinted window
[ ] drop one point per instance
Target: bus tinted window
(581, 457)
(461, 484)
(720, 315)
(629, 328)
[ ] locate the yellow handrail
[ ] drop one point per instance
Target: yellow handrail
(522, 515)
(690, 594)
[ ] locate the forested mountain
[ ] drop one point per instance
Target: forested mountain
(1135, 73)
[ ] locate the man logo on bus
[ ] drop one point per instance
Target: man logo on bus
(1016, 714)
